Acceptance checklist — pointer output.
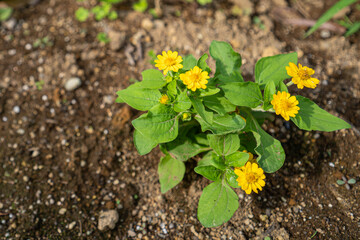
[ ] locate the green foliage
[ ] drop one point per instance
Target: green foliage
(216, 124)
(204, 2)
(5, 13)
(329, 14)
(103, 37)
(42, 42)
(353, 29)
(312, 117)
(82, 14)
(217, 204)
(171, 172)
(140, 6)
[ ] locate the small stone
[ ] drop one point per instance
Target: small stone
(35, 153)
(20, 131)
(82, 163)
(72, 84)
(1, 205)
(108, 219)
(62, 211)
(28, 46)
(25, 178)
(131, 233)
(147, 24)
(116, 182)
(10, 24)
(16, 109)
(117, 40)
(331, 164)
(325, 34)
(72, 225)
(108, 99)
(12, 52)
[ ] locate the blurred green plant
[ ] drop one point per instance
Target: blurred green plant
(140, 6)
(257, 21)
(204, 2)
(82, 14)
(43, 42)
(351, 29)
(152, 56)
(39, 85)
(102, 37)
(5, 13)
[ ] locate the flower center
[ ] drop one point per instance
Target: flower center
(170, 61)
(251, 177)
(195, 77)
(303, 74)
(285, 105)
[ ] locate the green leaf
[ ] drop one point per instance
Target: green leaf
(227, 60)
(201, 63)
(113, 15)
(143, 144)
(182, 102)
(212, 159)
(269, 91)
(224, 145)
(219, 104)
(353, 29)
(209, 172)
(282, 87)
(172, 91)
(103, 37)
(352, 181)
(171, 172)
(237, 159)
(139, 98)
(217, 204)
(189, 61)
(199, 107)
(101, 11)
(340, 182)
(82, 14)
(5, 13)
(273, 68)
(312, 117)
(243, 93)
(222, 124)
(271, 154)
(140, 6)
(234, 77)
(204, 2)
(329, 14)
(231, 178)
(185, 147)
(160, 124)
(209, 91)
(152, 79)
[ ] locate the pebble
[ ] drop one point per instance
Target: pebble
(72, 225)
(10, 24)
(25, 178)
(325, 34)
(28, 46)
(62, 211)
(117, 40)
(116, 182)
(16, 109)
(108, 99)
(12, 52)
(108, 219)
(331, 164)
(4, 119)
(72, 84)
(82, 163)
(1, 205)
(20, 131)
(147, 24)
(131, 233)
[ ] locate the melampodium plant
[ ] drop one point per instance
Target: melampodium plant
(219, 116)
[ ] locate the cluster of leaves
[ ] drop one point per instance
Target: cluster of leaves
(226, 119)
(100, 11)
(351, 27)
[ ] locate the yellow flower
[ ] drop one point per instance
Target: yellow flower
(195, 78)
(169, 61)
(186, 116)
(285, 105)
(250, 177)
(302, 76)
(164, 99)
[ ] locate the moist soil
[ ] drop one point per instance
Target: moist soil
(66, 156)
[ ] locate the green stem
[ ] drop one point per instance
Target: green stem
(289, 83)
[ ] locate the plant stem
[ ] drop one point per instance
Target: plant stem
(289, 83)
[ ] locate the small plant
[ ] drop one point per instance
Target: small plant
(39, 85)
(204, 2)
(43, 42)
(100, 11)
(218, 117)
(346, 182)
(82, 14)
(352, 27)
(103, 38)
(140, 6)
(257, 21)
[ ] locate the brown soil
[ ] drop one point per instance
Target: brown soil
(68, 155)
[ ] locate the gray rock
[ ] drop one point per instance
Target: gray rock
(10, 24)
(72, 84)
(108, 219)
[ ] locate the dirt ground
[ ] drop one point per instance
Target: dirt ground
(66, 156)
